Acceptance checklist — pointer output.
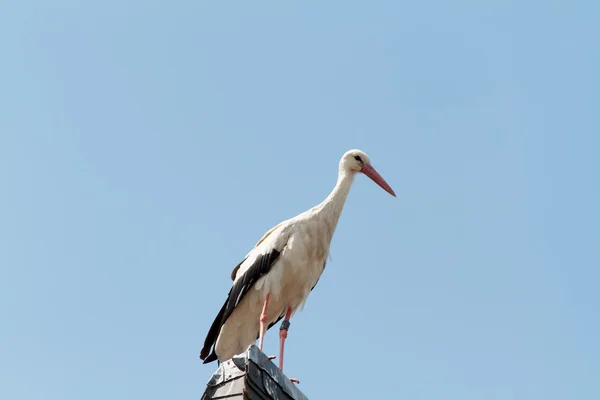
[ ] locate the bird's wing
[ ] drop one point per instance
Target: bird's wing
(237, 267)
(256, 264)
(235, 270)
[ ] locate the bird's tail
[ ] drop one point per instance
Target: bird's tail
(212, 357)
(211, 337)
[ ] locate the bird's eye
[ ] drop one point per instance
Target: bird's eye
(357, 158)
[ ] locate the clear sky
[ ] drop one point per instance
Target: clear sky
(145, 146)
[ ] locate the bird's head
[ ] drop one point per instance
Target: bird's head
(355, 161)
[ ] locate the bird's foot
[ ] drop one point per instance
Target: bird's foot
(271, 357)
(295, 380)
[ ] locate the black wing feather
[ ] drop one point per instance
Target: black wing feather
(261, 266)
(235, 270)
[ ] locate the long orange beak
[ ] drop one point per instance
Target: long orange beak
(369, 171)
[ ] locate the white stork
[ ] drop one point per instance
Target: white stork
(277, 275)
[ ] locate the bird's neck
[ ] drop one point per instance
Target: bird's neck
(332, 206)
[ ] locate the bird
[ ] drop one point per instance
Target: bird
(274, 279)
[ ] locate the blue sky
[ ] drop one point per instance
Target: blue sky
(145, 146)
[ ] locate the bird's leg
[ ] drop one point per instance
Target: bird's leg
(285, 325)
(263, 322)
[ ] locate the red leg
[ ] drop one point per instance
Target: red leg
(263, 322)
(285, 325)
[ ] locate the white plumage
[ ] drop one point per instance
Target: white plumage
(284, 265)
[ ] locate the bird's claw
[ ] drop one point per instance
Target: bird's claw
(295, 380)
(271, 357)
